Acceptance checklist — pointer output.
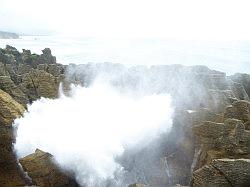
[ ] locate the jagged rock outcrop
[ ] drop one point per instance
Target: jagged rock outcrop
(44, 172)
(46, 57)
(28, 77)
(223, 173)
(10, 175)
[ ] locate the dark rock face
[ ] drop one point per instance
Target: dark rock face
(43, 171)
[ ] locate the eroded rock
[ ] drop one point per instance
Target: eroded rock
(10, 175)
(38, 83)
(223, 173)
(244, 79)
(46, 57)
(239, 110)
(44, 172)
(7, 85)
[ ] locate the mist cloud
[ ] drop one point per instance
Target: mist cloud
(88, 130)
(137, 18)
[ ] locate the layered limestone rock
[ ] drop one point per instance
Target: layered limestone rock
(10, 109)
(38, 83)
(223, 173)
(54, 69)
(10, 175)
(239, 91)
(44, 172)
(243, 79)
(239, 110)
(28, 77)
(222, 140)
(7, 85)
(180, 159)
(215, 141)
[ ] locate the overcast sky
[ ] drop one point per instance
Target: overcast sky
(188, 19)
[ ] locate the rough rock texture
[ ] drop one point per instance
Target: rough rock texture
(243, 79)
(10, 109)
(181, 150)
(46, 57)
(9, 86)
(44, 173)
(221, 140)
(38, 83)
(239, 110)
(28, 77)
(10, 176)
(216, 141)
(223, 173)
(239, 91)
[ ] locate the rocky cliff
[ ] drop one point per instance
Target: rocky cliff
(209, 144)
(24, 78)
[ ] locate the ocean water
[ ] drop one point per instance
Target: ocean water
(230, 57)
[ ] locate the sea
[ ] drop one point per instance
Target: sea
(227, 56)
